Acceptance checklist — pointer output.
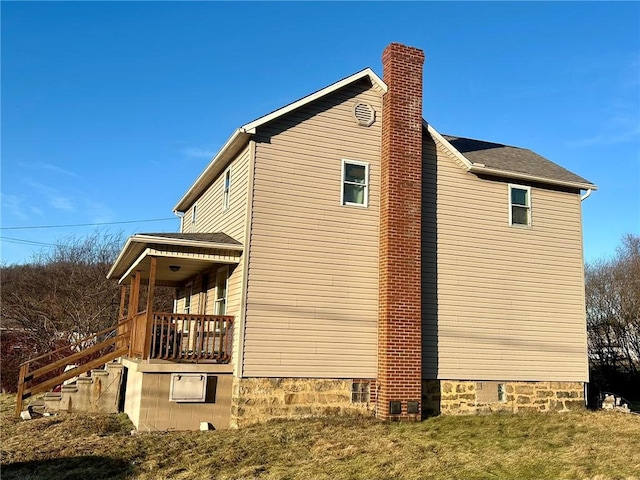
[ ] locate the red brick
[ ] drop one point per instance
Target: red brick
(399, 318)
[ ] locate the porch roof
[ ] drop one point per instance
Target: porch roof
(180, 255)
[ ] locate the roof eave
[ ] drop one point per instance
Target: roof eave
(241, 135)
(183, 242)
(434, 133)
(478, 168)
(137, 243)
(123, 253)
(367, 72)
(482, 169)
(236, 141)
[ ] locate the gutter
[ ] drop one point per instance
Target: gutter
(586, 195)
(481, 168)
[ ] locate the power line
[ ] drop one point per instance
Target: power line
(87, 224)
(22, 241)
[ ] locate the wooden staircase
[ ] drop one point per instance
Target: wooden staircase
(89, 353)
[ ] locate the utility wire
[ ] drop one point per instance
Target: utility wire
(26, 242)
(87, 224)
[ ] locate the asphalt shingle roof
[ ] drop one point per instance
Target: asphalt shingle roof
(217, 237)
(512, 159)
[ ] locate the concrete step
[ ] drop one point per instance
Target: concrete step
(95, 391)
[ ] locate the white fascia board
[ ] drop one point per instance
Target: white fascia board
(481, 169)
(121, 256)
(137, 243)
(367, 72)
(239, 137)
(447, 144)
(137, 262)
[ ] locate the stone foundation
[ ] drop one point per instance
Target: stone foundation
(457, 397)
(256, 400)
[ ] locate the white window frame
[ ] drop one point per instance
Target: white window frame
(530, 207)
(226, 191)
(365, 204)
(188, 293)
(218, 299)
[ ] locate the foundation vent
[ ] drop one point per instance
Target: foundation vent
(364, 114)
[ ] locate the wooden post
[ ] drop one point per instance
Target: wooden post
(134, 292)
(149, 317)
(24, 369)
(123, 295)
(121, 328)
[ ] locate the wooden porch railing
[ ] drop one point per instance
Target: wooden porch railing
(174, 336)
(186, 337)
(90, 353)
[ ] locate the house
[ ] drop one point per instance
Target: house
(339, 255)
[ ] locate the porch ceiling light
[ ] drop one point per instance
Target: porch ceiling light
(174, 268)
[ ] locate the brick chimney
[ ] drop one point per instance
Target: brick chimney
(399, 315)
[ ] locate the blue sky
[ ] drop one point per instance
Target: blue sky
(111, 110)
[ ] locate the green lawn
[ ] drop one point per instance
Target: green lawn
(603, 445)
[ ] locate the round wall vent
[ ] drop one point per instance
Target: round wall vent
(364, 114)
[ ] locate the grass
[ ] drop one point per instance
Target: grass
(601, 445)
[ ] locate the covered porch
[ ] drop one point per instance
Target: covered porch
(199, 329)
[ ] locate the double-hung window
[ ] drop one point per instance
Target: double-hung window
(519, 205)
(222, 279)
(355, 183)
(188, 293)
(226, 189)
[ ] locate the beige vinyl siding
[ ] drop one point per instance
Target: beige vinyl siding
(212, 218)
(508, 303)
(193, 289)
(312, 292)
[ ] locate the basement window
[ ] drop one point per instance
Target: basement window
(360, 391)
(519, 205)
(502, 393)
(355, 183)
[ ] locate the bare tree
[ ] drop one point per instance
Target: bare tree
(613, 318)
(64, 289)
(61, 296)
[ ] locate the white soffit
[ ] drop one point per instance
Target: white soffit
(137, 244)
